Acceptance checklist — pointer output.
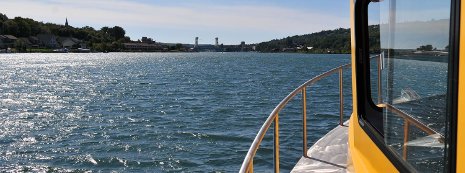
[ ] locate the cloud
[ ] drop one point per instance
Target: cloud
(129, 14)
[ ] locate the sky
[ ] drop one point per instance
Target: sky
(417, 23)
(180, 21)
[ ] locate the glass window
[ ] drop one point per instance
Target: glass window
(409, 41)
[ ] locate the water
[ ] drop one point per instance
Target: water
(157, 112)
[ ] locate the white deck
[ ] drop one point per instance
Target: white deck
(327, 155)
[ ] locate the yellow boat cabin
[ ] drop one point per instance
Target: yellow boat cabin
(408, 94)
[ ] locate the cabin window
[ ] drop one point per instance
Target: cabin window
(408, 45)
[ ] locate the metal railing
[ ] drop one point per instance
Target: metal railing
(410, 120)
(247, 165)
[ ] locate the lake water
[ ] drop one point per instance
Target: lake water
(158, 112)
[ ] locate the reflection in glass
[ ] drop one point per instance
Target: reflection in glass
(413, 37)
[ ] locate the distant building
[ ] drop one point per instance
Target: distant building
(141, 47)
(196, 45)
(34, 41)
(216, 42)
(147, 40)
(25, 41)
(47, 40)
(69, 42)
(66, 23)
(7, 41)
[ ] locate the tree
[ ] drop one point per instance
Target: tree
(125, 39)
(105, 29)
(20, 45)
(178, 46)
(10, 27)
(24, 29)
(337, 40)
(101, 47)
(44, 30)
(107, 38)
(117, 32)
(116, 46)
(3, 17)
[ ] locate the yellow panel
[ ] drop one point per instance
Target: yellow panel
(461, 95)
(365, 155)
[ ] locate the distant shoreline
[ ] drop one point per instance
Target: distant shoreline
(51, 52)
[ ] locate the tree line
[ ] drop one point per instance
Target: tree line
(327, 41)
(104, 39)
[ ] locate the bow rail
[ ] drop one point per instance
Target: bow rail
(247, 165)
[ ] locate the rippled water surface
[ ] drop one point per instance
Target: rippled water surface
(160, 112)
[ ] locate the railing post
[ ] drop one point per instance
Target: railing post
(341, 99)
(404, 147)
(250, 170)
(304, 121)
(276, 144)
(380, 99)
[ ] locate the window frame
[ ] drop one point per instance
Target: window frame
(370, 115)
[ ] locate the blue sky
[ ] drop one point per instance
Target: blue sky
(180, 21)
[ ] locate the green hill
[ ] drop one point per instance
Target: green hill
(328, 41)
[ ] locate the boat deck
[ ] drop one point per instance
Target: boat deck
(328, 155)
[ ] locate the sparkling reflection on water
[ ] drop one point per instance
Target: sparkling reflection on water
(156, 112)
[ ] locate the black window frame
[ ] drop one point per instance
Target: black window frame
(370, 115)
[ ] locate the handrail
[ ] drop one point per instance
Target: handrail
(409, 119)
(247, 165)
